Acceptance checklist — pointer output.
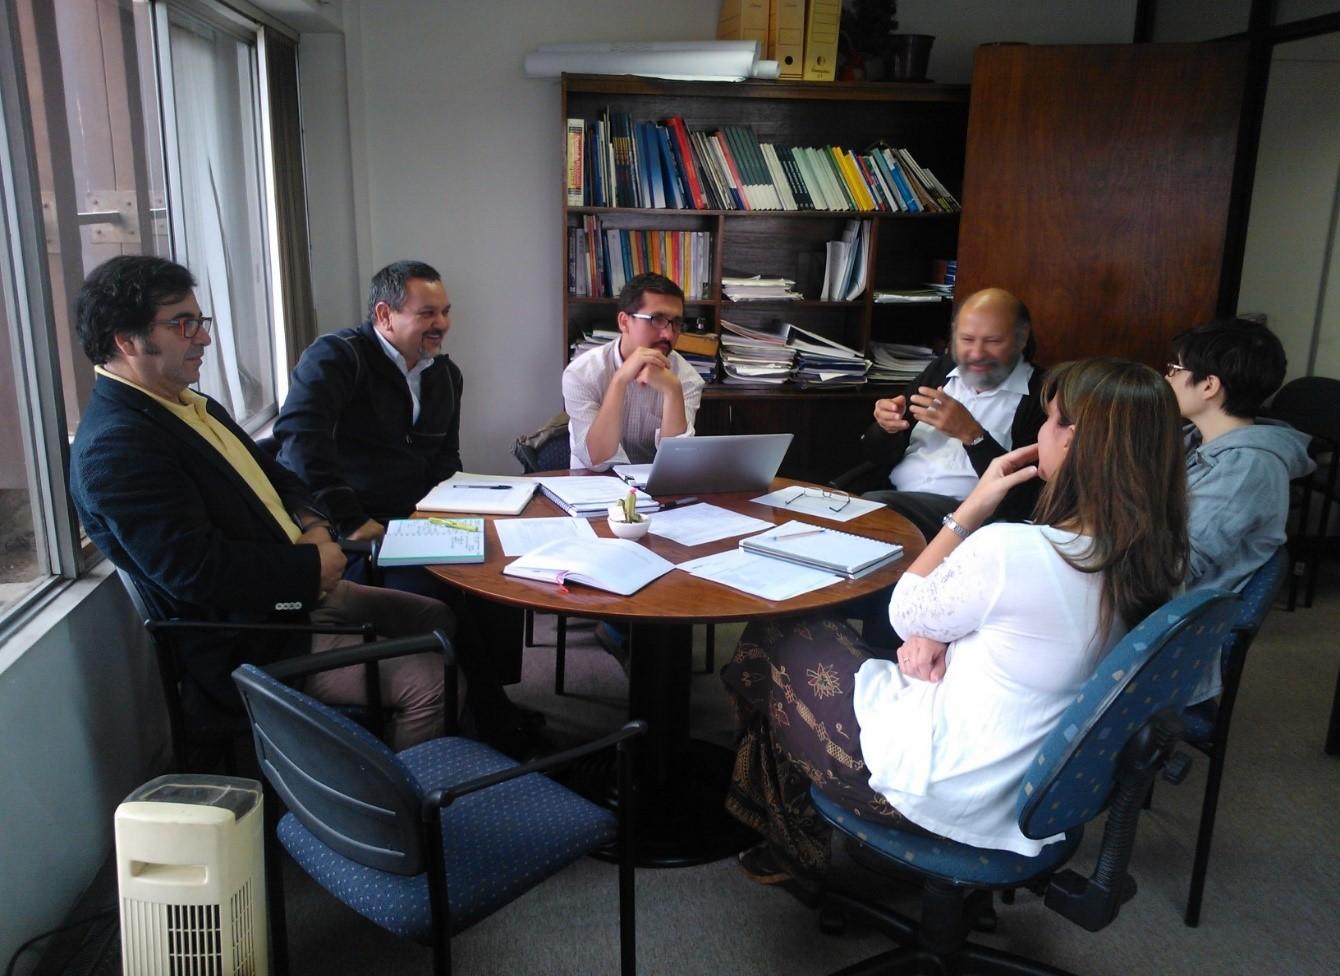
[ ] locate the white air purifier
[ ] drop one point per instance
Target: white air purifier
(191, 868)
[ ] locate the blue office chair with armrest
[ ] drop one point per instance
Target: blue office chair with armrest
(430, 840)
(1103, 754)
(1206, 723)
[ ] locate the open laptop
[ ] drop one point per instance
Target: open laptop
(733, 462)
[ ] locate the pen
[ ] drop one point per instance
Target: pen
(678, 503)
(453, 524)
(797, 535)
(488, 487)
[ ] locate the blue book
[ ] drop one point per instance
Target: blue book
(675, 192)
(905, 191)
(652, 180)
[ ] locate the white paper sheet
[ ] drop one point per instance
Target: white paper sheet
(811, 503)
(519, 536)
(762, 576)
(695, 525)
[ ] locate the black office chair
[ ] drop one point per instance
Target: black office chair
(1103, 754)
(1312, 404)
(1206, 723)
(204, 741)
(430, 840)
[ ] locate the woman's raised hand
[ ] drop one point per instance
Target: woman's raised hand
(1006, 471)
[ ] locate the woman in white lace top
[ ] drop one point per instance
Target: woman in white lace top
(1001, 627)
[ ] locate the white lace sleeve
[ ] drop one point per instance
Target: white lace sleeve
(956, 597)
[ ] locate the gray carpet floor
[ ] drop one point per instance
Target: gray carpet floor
(1272, 901)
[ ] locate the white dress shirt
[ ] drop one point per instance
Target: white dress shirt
(413, 377)
(584, 384)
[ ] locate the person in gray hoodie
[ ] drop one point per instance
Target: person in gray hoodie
(1238, 465)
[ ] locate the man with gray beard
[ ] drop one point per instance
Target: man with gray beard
(973, 404)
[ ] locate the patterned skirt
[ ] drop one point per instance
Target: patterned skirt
(792, 681)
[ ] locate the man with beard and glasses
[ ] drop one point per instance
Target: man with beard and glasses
(624, 397)
(976, 402)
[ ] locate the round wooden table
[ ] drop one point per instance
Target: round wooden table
(681, 781)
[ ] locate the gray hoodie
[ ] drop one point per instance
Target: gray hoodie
(1238, 488)
(1239, 499)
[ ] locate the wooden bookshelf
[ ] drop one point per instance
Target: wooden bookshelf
(930, 120)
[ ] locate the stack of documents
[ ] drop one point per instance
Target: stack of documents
(754, 357)
(824, 363)
(757, 288)
(897, 363)
(429, 542)
(824, 549)
(591, 495)
(485, 494)
(593, 340)
(908, 296)
(844, 271)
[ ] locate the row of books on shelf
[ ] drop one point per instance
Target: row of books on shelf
(601, 260)
(614, 161)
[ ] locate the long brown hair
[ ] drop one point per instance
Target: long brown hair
(1123, 481)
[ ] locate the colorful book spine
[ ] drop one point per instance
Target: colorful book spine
(576, 166)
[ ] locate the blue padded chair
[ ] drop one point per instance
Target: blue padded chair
(1103, 755)
(430, 840)
(1206, 723)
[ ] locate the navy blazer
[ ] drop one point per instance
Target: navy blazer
(347, 428)
(165, 506)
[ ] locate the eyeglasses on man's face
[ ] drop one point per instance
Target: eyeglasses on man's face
(187, 326)
(660, 320)
(836, 498)
(1172, 369)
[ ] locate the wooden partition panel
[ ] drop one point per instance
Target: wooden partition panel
(1097, 187)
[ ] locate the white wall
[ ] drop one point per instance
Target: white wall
(84, 724)
(1285, 272)
(959, 27)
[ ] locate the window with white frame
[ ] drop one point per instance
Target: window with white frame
(130, 126)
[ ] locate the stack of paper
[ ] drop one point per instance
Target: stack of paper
(754, 357)
(591, 495)
(758, 288)
(897, 363)
(824, 363)
(844, 271)
(907, 296)
(593, 340)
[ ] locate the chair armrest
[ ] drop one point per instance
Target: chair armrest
(297, 667)
(366, 630)
(444, 798)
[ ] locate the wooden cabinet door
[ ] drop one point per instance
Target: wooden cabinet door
(1097, 188)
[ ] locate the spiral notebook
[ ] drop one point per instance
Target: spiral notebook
(848, 555)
